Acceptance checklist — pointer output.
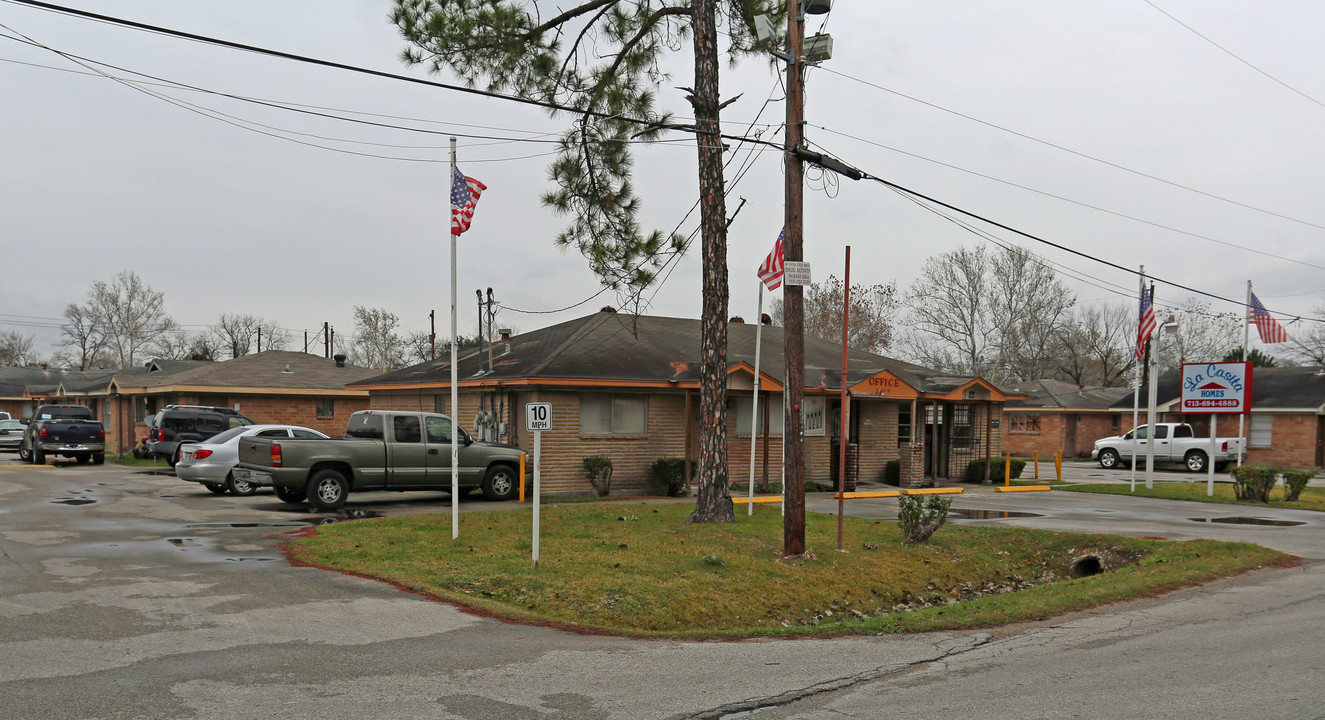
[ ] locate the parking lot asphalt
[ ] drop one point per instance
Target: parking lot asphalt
(127, 593)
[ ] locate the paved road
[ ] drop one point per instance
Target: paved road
(131, 595)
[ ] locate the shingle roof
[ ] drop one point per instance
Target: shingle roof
(623, 347)
(1048, 393)
(261, 370)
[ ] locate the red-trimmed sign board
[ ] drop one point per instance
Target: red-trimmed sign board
(1223, 388)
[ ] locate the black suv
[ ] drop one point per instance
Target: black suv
(179, 424)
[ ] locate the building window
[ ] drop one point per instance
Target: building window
(1114, 422)
(1024, 422)
(326, 407)
(613, 414)
(1262, 427)
(776, 415)
(439, 404)
(903, 424)
(963, 431)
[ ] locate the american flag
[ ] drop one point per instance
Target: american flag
(1270, 330)
(465, 192)
(774, 265)
(1146, 324)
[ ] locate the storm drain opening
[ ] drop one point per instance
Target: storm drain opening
(1249, 521)
(1085, 566)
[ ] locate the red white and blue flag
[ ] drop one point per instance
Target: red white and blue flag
(1270, 330)
(465, 192)
(1146, 321)
(774, 265)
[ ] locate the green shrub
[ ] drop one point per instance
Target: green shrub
(1294, 481)
(891, 474)
(920, 516)
(1253, 483)
(975, 471)
(598, 469)
(669, 474)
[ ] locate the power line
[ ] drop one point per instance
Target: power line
(1079, 203)
(1078, 153)
(208, 40)
(1232, 54)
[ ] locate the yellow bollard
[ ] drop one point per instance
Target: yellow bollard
(1037, 464)
(522, 456)
(1058, 465)
(1007, 469)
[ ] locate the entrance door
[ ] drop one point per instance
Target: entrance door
(1070, 436)
(1320, 441)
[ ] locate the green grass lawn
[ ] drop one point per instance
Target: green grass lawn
(638, 569)
(1312, 498)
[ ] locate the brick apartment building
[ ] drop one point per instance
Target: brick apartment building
(627, 387)
(1056, 416)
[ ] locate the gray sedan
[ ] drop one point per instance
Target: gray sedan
(210, 462)
(11, 434)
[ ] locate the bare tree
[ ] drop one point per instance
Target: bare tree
(1095, 347)
(1308, 340)
(84, 340)
(1028, 307)
(375, 342)
(873, 308)
(181, 345)
(17, 348)
(239, 335)
(1203, 335)
(948, 313)
(130, 314)
(990, 313)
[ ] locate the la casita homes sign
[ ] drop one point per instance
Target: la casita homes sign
(1216, 388)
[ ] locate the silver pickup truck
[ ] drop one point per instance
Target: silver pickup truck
(1174, 443)
(387, 450)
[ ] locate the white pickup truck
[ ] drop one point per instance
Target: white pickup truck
(1173, 442)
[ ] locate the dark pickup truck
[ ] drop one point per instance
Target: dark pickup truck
(383, 450)
(65, 430)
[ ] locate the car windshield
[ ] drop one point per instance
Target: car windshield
(228, 435)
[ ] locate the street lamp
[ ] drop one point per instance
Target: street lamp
(1170, 326)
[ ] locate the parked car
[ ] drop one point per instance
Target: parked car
(68, 430)
(1173, 443)
(11, 434)
(179, 424)
(383, 450)
(210, 462)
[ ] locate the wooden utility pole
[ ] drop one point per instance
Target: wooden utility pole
(793, 526)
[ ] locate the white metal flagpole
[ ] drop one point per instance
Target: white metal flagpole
(1136, 387)
(754, 405)
(1246, 340)
(455, 395)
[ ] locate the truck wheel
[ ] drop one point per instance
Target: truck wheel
(24, 453)
(1195, 461)
(1109, 459)
(98, 458)
(38, 456)
(217, 488)
(242, 488)
(327, 490)
(500, 483)
(173, 460)
(290, 495)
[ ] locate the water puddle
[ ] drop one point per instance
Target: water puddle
(347, 514)
(989, 514)
(73, 501)
(250, 559)
(1248, 521)
(219, 526)
(155, 472)
(183, 542)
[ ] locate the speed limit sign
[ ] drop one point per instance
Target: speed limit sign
(538, 416)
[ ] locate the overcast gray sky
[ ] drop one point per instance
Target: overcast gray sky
(1192, 128)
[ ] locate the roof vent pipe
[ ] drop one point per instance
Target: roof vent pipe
(340, 360)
